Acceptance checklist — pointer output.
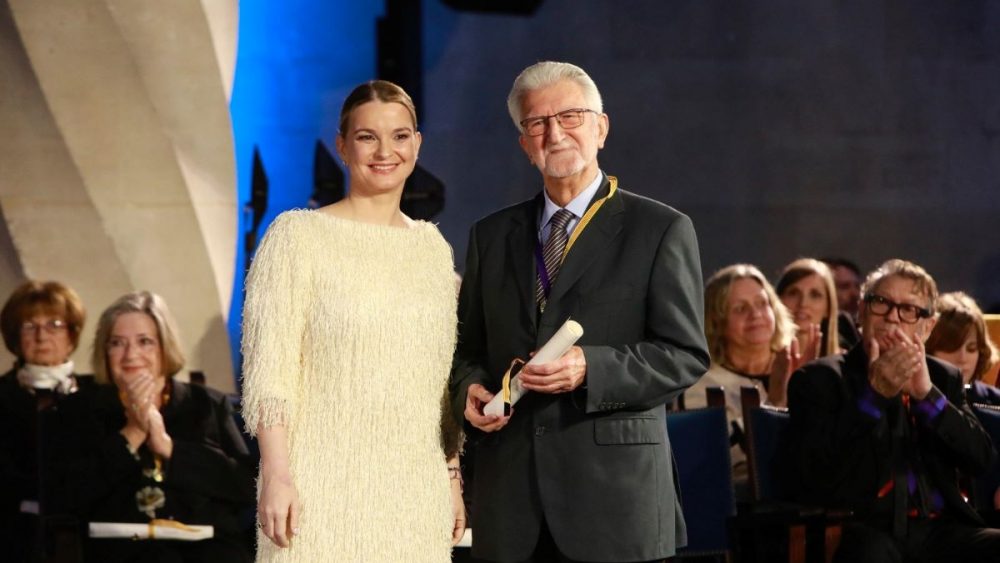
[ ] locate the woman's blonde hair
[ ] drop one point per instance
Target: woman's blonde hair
(717, 314)
(371, 91)
(149, 304)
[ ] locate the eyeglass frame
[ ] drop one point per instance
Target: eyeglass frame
(51, 326)
(544, 120)
(921, 312)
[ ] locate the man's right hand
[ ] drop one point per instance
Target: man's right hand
(892, 361)
(475, 401)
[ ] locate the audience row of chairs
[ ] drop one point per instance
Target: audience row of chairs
(768, 528)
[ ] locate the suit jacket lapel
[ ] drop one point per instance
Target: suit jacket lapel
(603, 228)
(521, 242)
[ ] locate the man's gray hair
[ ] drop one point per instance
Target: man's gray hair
(546, 73)
(923, 282)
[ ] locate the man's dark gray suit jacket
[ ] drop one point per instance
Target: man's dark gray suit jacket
(595, 464)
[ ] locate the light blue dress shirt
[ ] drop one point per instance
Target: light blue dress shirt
(578, 206)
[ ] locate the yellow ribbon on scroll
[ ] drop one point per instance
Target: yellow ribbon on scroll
(515, 367)
(167, 524)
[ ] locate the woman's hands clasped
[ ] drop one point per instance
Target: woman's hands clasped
(143, 421)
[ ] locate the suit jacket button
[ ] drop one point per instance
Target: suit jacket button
(540, 431)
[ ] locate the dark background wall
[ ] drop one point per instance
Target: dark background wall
(862, 128)
(868, 129)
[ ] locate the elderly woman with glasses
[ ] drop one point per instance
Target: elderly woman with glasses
(174, 451)
(44, 406)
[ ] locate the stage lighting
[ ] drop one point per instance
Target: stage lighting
(328, 178)
(257, 204)
(423, 195)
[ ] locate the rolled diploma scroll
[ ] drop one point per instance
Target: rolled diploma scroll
(561, 341)
(157, 529)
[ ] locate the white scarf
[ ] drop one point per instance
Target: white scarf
(54, 378)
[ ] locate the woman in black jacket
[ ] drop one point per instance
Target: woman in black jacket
(48, 412)
(176, 453)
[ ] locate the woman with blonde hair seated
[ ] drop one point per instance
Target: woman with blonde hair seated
(960, 337)
(750, 337)
(807, 289)
(175, 452)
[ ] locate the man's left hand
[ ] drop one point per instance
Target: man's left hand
(560, 376)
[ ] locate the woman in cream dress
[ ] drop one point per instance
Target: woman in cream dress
(348, 333)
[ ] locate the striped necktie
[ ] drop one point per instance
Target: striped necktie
(553, 252)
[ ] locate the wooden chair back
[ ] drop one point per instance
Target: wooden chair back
(993, 328)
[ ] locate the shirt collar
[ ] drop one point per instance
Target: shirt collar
(578, 205)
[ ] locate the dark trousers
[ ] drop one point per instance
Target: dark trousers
(546, 550)
(941, 540)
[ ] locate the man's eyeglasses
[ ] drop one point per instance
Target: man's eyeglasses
(48, 327)
(908, 313)
(567, 119)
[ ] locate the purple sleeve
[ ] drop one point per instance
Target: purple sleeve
(928, 408)
(870, 402)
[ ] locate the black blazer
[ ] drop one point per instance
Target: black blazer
(36, 448)
(208, 480)
(596, 463)
(841, 457)
(980, 392)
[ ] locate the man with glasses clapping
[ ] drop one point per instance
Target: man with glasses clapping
(884, 430)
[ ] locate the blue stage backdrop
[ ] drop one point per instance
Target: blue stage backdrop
(296, 62)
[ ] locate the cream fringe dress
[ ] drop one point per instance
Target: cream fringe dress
(348, 334)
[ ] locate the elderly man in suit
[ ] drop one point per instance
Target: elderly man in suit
(581, 470)
(884, 431)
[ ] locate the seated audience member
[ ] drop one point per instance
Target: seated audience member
(176, 452)
(847, 280)
(806, 288)
(43, 404)
(960, 337)
(883, 431)
(750, 336)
